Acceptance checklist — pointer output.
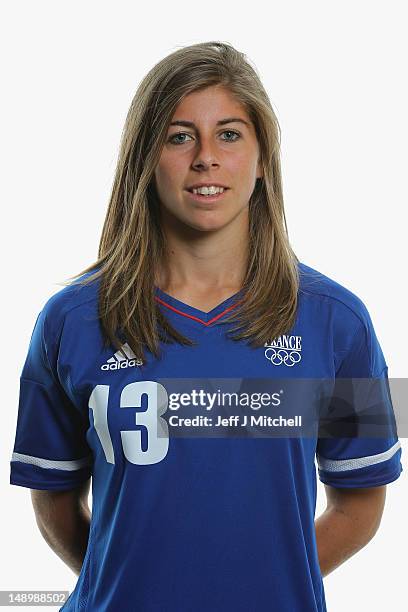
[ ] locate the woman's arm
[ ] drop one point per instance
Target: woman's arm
(350, 521)
(63, 518)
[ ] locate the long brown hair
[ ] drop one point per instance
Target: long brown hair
(132, 244)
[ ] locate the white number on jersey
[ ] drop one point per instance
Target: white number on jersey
(149, 421)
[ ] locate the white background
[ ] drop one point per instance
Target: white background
(336, 76)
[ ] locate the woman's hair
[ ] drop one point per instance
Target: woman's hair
(132, 242)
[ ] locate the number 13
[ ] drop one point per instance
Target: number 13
(148, 422)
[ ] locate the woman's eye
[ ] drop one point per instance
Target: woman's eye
(171, 139)
(174, 136)
(232, 132)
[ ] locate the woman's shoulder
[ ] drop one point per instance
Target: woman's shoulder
(325, 289)
(73, 299)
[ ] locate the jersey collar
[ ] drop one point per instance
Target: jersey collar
(205, 319)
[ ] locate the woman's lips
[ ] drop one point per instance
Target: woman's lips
(207, 198)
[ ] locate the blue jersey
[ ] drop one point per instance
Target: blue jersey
(193, 523)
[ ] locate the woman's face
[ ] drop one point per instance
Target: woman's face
(205, 152)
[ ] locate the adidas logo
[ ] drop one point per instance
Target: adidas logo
(119, 362)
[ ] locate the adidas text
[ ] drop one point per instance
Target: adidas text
(119, 365)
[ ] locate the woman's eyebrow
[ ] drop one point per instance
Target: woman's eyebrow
(220, 122)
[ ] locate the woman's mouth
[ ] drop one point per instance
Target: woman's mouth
(198, 197)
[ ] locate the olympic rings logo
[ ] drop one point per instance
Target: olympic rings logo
(279, 356)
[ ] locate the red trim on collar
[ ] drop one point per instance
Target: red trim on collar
(184, 314)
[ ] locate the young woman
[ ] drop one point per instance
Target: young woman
(195, 282)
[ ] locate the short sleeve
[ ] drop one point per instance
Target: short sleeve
(359, 458)
(50, 449)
